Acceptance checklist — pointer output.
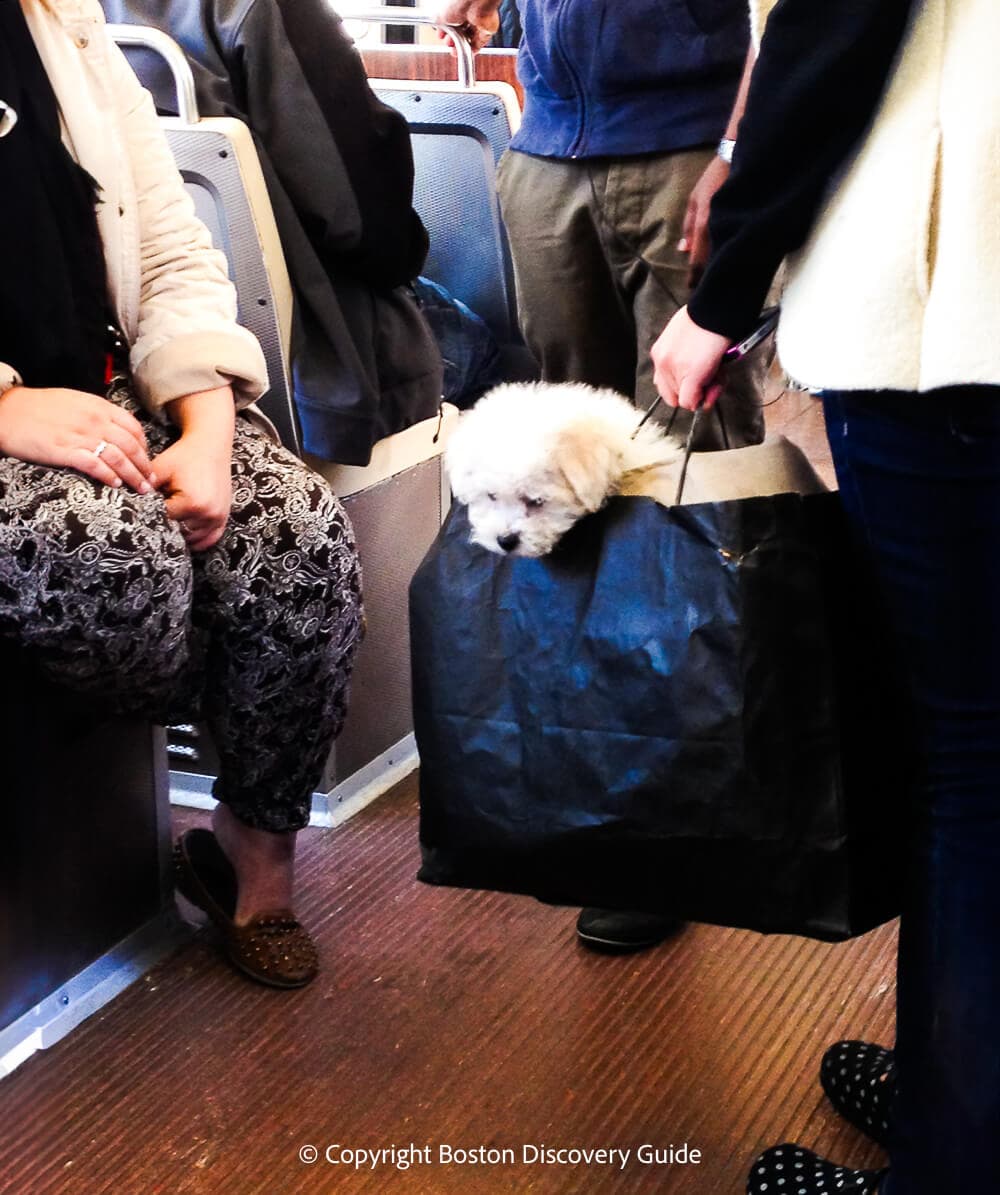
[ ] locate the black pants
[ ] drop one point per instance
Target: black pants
(920, 478)
(256, 636)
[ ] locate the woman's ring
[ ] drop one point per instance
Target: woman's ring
(100, 448)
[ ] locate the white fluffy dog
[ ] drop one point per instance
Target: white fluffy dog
(529, 460)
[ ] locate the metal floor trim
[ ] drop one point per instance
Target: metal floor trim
(194, 789)
(90, 990)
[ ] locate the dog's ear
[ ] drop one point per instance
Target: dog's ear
(460, 465)
(590, 465)
(460, 479)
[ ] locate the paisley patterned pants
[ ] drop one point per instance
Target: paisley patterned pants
(256, 636)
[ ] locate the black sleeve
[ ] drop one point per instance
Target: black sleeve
(821, 72)
(308, 100)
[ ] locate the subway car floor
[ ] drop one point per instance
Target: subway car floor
(445, 1018)
(450, 1020)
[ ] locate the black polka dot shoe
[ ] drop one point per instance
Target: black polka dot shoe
(860, 1081)
(792, 1170)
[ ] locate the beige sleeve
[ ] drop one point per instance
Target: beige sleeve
(187, 338)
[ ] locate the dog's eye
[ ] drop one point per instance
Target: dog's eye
(534, 503)
(492, 497)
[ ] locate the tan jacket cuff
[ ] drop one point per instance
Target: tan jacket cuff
(201, 361)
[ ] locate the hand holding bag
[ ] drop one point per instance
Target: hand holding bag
(685, 710)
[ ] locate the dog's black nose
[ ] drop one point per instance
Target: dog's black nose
(509, 540)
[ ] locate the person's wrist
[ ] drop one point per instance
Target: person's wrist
(203, 413)
(213, 441)
(724, 150)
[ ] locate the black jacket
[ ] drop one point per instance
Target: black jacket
(339, 171)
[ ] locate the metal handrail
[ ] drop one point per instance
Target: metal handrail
(167, 48)
(392, 14)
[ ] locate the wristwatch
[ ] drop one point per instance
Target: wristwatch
(725, 150)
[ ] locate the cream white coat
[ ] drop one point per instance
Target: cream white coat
(169, 287)
(898, 286)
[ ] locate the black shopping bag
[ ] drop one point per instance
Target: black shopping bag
(687, 711)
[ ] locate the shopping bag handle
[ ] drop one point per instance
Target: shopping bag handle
(696, 415)
(689, 442)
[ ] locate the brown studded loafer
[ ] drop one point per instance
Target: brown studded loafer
(273, 947)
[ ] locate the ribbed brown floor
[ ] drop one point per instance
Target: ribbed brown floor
(445, 1017)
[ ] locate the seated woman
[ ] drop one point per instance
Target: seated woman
(158, 551)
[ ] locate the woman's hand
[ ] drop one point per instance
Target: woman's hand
(196, 472)
(76, 430)
(686, 360)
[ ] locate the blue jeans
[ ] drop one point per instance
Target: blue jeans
(920, 478)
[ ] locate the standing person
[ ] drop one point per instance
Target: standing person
(892, 312)
(606, 188)
(339, 171)
(158, 551)
(605, 194)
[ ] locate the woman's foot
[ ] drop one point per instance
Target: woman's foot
(264, 864)
(792, 1170)
(860, 1081)
(269, 944)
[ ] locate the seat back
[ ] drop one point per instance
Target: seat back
(218, 161)
(458, 136)
(459, 131)
(220, 167)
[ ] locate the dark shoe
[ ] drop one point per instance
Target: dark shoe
(792, 1170)
(619, 932)
(272, 947)
(860, 1081)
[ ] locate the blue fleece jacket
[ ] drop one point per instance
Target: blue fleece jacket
(624, 77)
